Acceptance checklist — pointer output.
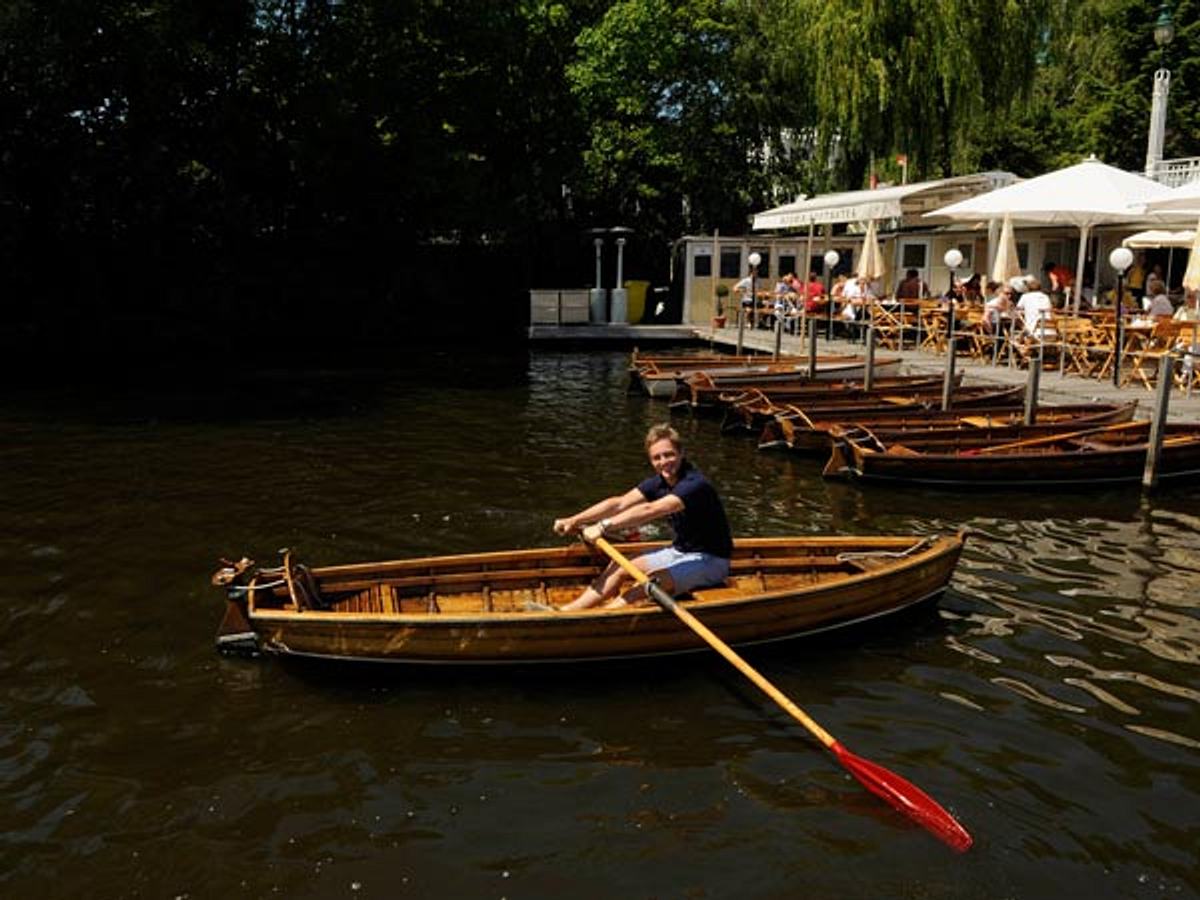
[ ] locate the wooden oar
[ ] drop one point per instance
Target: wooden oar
(901, 794)
(1035, 442)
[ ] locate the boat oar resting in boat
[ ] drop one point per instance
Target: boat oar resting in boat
(1067, 455)
(989, 424)
(483, 608)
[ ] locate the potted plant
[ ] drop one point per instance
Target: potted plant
(719, 317)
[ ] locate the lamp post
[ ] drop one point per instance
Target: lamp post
(1164, 33)
(597, 296)
(754, 259)
(831, 260)
(1120, 259)
(953, 259)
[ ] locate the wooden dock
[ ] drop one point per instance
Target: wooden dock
(1053, 386)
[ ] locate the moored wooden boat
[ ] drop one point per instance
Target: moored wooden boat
(481, 608)
(790, 423)
(1089, 456)
(645, 371)
(664, 383)
(747, 411)
(979, 425)
(701, 389)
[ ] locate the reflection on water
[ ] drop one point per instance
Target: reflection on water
(1058, 683)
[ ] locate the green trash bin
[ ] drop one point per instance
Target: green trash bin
(637, 300)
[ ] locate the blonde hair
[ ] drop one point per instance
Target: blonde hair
(662, 431)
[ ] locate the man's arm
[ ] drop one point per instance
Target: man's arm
(607, 507)
(637, 514)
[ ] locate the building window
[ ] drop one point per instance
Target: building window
(787, 263)
(731, 263)
(913, 256)
(702, 266)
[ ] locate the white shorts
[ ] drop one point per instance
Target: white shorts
(688, 571)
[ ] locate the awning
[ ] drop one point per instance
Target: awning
(896, 202)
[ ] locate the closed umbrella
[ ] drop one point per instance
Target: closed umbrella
(1008, 263)
(1191, 277)
(1084, 195)
(1191, 282)
(870, 263)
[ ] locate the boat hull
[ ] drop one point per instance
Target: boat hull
(835, 593)
(1081, 462)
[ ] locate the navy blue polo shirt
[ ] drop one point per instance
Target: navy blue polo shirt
(702, 525)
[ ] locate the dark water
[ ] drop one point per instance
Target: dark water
(1051, 703)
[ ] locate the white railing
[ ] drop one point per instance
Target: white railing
(1176, 172)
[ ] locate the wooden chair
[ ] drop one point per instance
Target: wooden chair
(981, 340)
(889, 327)
(1041, 341)
(932, 324)
(1075, 339)
(1146, 361)
(1187, 375)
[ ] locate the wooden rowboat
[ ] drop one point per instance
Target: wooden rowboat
(1088, 456)
(646, 370)
(806, 413)
(663, 383)
(978, 425)
(749, 411)
(701, 389)
(482, 608)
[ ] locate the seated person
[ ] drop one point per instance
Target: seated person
(1034, 308)
(1189, 310)
(1158, 307)
(912, 287)
(997, 305)
(812, 293)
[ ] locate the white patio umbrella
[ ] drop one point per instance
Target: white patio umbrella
(1008, 263)
(1183, 199)
(1158, 237)
(1084, 195)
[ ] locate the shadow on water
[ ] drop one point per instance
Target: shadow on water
(247, 393)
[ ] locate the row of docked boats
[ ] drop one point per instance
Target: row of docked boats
(898, 432)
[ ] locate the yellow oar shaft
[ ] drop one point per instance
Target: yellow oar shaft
(721, 647)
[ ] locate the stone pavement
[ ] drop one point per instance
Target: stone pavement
(1053, 387)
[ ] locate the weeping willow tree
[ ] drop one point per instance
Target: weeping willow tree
(907, 76)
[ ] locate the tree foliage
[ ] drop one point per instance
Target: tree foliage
(331, 166)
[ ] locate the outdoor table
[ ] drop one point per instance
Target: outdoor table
(1136, 336)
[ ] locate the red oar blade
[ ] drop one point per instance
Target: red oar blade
(904, 796)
